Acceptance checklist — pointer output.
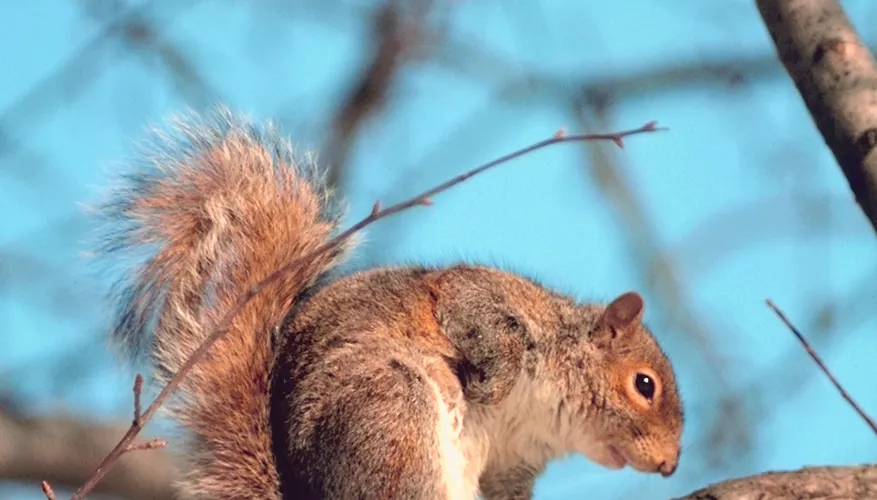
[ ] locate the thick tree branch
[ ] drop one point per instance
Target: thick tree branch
(836, 76)
(810, 483)
(63, 451)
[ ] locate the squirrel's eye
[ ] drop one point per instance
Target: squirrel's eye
(645, 385)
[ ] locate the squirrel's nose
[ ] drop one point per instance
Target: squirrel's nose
(667, 468)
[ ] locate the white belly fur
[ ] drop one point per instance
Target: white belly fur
(458, 474)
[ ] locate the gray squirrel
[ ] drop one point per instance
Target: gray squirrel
(412, 383)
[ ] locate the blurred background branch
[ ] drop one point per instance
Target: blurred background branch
(63, 450)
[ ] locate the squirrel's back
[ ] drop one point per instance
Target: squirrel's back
(213, 206)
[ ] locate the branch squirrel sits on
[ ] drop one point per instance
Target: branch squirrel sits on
(412, 383)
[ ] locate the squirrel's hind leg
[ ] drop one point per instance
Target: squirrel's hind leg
(385, 427)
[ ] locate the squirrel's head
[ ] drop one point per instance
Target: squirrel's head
(617, 384)
(588, 379)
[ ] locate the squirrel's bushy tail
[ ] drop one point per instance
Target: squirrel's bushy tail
(215, 205)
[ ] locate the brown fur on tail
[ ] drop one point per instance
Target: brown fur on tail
(214, 206)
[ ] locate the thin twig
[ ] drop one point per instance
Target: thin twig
(48, 491)
(424, 198)
(152, 444)
(868, 420)
(138, 388)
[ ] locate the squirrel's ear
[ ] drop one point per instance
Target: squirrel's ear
(626, 310)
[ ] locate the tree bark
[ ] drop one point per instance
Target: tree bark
(64, 451)
(811, 483)
(836, 76)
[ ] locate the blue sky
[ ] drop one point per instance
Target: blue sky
(740, 194)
